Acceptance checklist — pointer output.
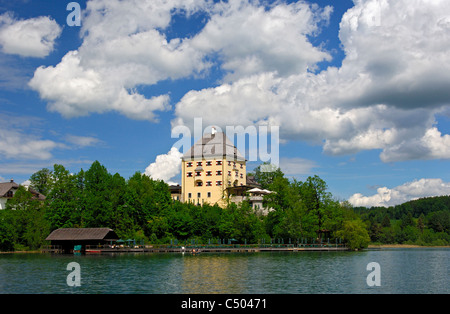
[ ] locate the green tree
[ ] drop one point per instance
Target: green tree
(266, 173)
(355, 234)
(97, 196)
(386, 221)
(42, 181)
(439, 221)
(25, 215)
(314, 194)
(421, 223)
(63, 203)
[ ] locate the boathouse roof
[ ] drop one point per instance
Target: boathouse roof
(71, 234)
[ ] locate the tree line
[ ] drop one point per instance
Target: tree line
(141, 208)
(424, 221)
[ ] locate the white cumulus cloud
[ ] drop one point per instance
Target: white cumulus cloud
(386, 94)
(253, 39)
(33, 37)
(409, 191)
(166, 166)
(123, 48)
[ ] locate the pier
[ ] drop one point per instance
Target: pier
(236, 248)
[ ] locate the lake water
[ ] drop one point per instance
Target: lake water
(404, 271)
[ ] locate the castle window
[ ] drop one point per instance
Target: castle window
(229, 173)
(189, 164)
(218, 183)
(208, 173)
(218, 162)
(189, 195)
(208, 183)
(209, 163)
(229, 163)
(189, 174)
(218, 173)
(209, 194)
(242, 166)
(199, 183)
(198, 173)
(199, 163)
(199, 195)
(242, 176)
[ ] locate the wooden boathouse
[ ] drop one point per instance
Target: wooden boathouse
(66, 240)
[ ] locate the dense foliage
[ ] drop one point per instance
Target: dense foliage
(141, 208)
(424, 221)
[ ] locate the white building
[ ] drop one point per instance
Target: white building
(8, 189)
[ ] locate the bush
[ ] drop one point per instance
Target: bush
(354, 234)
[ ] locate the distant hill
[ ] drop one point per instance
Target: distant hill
(415, 208)
(424, 221)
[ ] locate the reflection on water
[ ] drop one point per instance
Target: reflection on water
(215, 273)
(402, 271)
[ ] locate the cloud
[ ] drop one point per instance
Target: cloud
(16, 144)
(33, 37)
(82, 141)
(74, 91)
(118, 55)
(24, 169)
(409, 191)
(20, 139)
(297, 166)
(392, 83)
(165, 166)
(252, 39)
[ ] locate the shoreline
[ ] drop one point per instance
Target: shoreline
(403, 246)
(371, 246)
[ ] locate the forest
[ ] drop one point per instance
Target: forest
(141, 208)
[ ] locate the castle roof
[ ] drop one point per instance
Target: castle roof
(213, 145)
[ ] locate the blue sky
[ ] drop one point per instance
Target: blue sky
(358, 89)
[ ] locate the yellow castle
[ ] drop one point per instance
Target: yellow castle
(210, 168)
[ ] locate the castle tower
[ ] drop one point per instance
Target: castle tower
(209, 167)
